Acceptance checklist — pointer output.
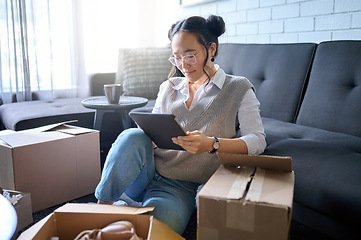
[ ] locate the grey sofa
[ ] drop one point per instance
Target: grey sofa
(310, 98)
(311, 109)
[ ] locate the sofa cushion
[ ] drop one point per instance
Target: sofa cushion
(142, 70)
(31, 114)
(326, 165)
(278, 72)
(333, 96)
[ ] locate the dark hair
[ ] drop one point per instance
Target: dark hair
(206, 31)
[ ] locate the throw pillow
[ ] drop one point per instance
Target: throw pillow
(142, 70)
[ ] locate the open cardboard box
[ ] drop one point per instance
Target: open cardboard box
(71, 219)
(55, 163)
(248, 197)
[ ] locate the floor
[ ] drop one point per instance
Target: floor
(298, 231)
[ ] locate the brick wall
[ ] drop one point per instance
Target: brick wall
(284, 21)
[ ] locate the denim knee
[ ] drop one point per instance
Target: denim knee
(129, 161)
(133, 135)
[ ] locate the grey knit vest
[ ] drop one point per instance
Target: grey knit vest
(214, 115)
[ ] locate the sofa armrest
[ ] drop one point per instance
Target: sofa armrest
(97, 81)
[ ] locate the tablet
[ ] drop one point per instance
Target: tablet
(161, 128)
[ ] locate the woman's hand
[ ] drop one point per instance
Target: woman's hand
(195, 142)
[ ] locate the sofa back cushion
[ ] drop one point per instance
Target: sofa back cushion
(333, 97)
(277, 71)
(142, 70)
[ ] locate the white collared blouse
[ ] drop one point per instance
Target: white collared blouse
(249, 119)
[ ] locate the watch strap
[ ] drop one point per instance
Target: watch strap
(214, 148)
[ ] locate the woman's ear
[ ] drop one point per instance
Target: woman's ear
(212, 49)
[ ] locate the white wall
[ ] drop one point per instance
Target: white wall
(112, 24)
(284, 21)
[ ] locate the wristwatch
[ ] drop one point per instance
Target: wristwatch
(215, 146)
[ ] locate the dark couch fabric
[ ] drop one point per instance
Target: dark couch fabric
(327, 174)
(333, 96)
(278, 72)
(31, 114)
(322, 82)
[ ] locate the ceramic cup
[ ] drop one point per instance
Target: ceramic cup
(112, 92)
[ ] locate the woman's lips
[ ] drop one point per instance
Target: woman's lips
(187, 73)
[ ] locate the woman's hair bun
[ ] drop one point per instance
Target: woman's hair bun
(216, 25)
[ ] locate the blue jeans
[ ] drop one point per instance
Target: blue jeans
(130, 168)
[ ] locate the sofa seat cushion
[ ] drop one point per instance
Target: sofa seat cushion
(30, 114)
(326, 165)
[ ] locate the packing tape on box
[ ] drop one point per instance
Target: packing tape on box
(255, 190)
(240, 218)
(240, 183)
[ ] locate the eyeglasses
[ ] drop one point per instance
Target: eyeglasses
(177, 61)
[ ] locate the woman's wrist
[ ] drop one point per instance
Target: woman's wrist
(210, 141)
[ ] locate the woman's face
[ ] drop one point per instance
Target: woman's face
(183, 44)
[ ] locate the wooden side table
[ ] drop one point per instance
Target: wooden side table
(126, 103)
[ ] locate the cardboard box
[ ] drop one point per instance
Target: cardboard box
(22, 204)
(55, 163)
(247, 202)
(68, 221)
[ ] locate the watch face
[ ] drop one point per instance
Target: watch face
(216, 145)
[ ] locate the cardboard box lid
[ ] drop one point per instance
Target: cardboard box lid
(227, 183)
(271, 187)
(250, 185)
(99, 208)
(262, 161)
(6, 132)
(48, 127)
(42, 134)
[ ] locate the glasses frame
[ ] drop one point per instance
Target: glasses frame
(187, 58)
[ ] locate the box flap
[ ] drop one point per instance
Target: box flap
(33, 230)
(42, 134)
(73, 130)
(27, 138)
(30, 136)
(4, 133)
(252, 184)
(102, 208)
(160, 231)
(48, 127)
(228, 183)
(262, 161)
(271, 187)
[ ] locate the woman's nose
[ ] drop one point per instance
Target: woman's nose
(184, 64)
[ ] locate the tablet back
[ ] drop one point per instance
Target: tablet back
(161, 128)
